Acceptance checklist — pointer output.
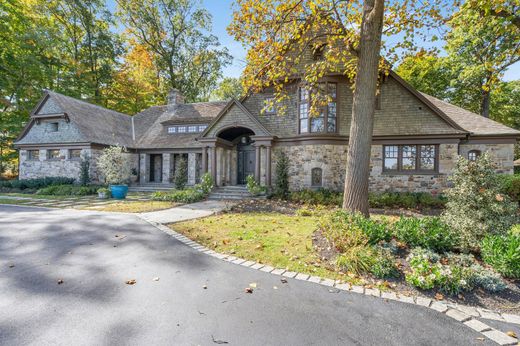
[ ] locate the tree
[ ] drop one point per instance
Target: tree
(228, 88)
(175, 32)
(280, 34)
(482, 49)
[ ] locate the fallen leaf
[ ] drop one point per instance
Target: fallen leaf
(275, 288)
(216, 341)
(205, 287)
(511, 334)
(283, 280)
(11, 265)
(439, 296)
(60, 281)
(480, 338)
(131, 282)
(252, 285)
(155, 279)
(248, 290)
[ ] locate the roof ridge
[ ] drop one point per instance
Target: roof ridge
(86, 102)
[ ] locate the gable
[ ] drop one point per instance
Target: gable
(235, 115)
(43, 132)
(49, 106)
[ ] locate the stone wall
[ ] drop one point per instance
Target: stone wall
(332, 161)
(502, 155)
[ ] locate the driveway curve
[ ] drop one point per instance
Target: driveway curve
(62, 282)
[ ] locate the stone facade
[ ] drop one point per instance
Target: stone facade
(502, 155)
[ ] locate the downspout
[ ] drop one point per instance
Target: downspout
(133, 130)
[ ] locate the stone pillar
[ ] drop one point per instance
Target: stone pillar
(268, 166)
(204, 160)
(213, 159)
(192, 168)
(143, 168)
(166, 168)
(257, 163)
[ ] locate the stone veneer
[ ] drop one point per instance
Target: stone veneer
(332, 160)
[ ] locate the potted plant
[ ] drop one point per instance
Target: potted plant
(103, 193)
(114, 165)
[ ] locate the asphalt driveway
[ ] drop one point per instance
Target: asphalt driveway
(95, 253)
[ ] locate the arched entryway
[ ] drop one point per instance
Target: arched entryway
(235, 153)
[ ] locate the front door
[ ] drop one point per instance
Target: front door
(155, 168)
(245, 163)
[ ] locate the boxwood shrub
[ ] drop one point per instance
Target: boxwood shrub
(35, 184)
(68, 190)
(427, 232)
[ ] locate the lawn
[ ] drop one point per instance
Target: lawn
(280, 240)
(134, 206)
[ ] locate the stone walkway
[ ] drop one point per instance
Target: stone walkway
(73, 202)
(187, 212)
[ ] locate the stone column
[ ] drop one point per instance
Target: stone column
(257, 163)
(268, 166)
(204, 160)
(166, 168)
(192, 167)
(213, 156)
(143, 165)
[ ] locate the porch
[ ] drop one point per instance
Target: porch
(157, 170)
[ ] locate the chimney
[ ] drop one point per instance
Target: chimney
(174, 98)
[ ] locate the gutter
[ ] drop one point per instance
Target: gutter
(133, 129)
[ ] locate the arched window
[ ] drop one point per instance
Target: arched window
(473, 155)
(316, 177)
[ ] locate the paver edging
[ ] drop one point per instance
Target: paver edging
(455, 311)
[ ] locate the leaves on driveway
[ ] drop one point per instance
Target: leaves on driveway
(131, 282)
(248, 290)
(60, 281)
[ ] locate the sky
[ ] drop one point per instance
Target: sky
(222, 15)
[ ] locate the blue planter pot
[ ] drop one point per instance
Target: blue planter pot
(119, 191)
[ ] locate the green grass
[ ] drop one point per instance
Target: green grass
(282, 241)
(134, 207)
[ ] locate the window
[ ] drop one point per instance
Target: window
(326, 121)
(53, 127)
(410, 158)
(202, 128)
(269, 107)
(316, 177)
(186, 129)
(181, 129)
(53, 154)
(193, 129)
(75, 154)
(473, 155)
(318, 53)
(172, 129)
(33, 155)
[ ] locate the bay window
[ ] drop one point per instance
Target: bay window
(325, 121)
(410, 158)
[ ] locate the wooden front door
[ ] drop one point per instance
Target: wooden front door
(245, 163)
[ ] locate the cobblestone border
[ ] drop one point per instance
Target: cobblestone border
(462, 313)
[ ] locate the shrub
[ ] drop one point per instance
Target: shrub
(35, 183)
(510, 185)
(191, 195)
(315, 197)
(341, 228)
(114, 164)
(84, 174)
(180, 178)
(68, 190)
(281, 188)
(409, 200)
(475, 205)
(428, 232)
(206, 184)
(384, 265)
(503, 254)
(254, 187)
(487, 279)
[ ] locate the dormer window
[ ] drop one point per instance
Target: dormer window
(196, 128)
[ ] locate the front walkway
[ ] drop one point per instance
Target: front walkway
(187, 212)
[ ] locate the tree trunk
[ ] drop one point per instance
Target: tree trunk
(360, 140)
(484, 102)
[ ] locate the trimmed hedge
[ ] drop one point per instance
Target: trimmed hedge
(409, 200)
(68, 190)
(35, 183)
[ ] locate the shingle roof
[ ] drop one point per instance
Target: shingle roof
(471, 122)
(96, 124)
(151, 132)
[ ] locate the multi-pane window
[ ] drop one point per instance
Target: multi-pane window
(410, 158)
(326, 120)
(33, 155)
(53, 154)
(269, 107)
(75, 154)
(53, 127)
(186, 129)
(473, 155)
(316, 177)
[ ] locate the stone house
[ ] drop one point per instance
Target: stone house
(416, 141)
